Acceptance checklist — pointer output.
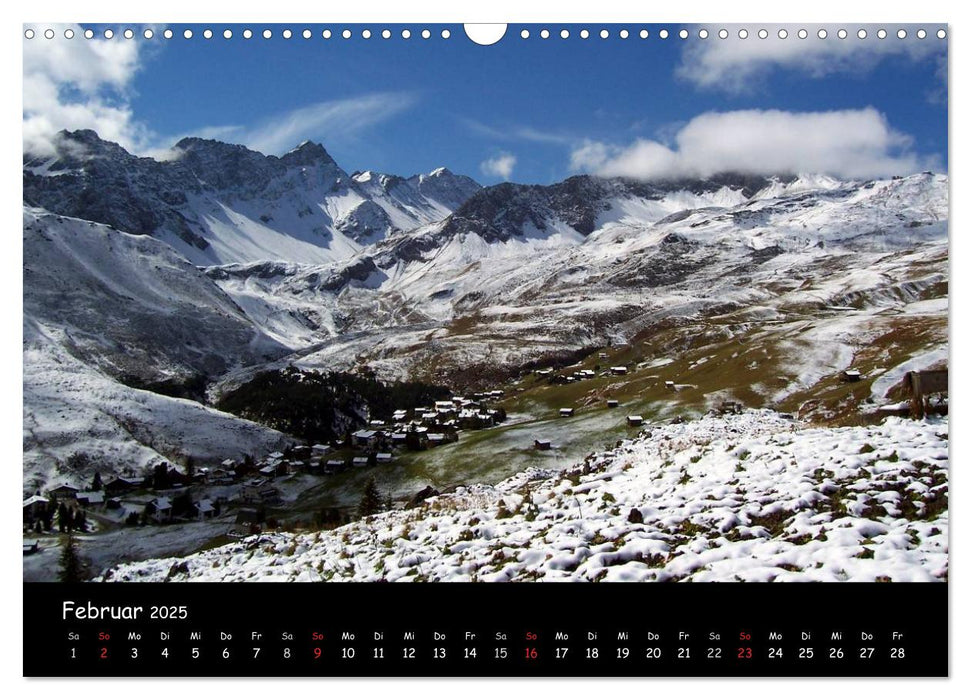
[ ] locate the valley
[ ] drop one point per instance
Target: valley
(799, 298)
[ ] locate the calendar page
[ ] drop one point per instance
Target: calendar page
(485, 350)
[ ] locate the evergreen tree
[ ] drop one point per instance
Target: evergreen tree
(370, 500)
(413, 440)
(79, 462)
(48, 514)
(160, 476)
(182, 505)
(96, 484)
(63, 518)
(73, 569)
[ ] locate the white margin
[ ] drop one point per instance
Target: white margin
(439, 11)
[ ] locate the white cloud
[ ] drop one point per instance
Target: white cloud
(517, 133)
(737, 65)
(329, 122)
(848, 143)
(592, 156)
(80, 84)
(500, 166)
(937, 93)
(87, 84)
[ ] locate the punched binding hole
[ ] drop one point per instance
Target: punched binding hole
(488, 34)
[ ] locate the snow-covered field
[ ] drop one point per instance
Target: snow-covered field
(748, 497)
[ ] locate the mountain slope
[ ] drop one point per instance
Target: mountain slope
(130, 304)
(73, 410)
(752, 497)
(119, 333)
(808, 263)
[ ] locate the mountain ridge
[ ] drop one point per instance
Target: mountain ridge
(218, 203)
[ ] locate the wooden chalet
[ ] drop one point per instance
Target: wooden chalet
(334, 465)
(64, 492)
(34, 507)
(365, 438)
(91, 498)
(159, 509)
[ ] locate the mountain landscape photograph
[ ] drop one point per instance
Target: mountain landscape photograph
(621, 306)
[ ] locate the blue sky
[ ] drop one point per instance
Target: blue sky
(528, 110)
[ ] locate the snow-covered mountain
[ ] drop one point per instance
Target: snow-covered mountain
(123, 333)
(171, 281)
(218, 203)
(518, 272)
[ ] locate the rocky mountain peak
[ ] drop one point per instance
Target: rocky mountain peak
(211, 147)
(72, 148)
(442, 185)
(87, 137)
(308, 153)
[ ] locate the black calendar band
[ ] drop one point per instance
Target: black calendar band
(429, 630)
